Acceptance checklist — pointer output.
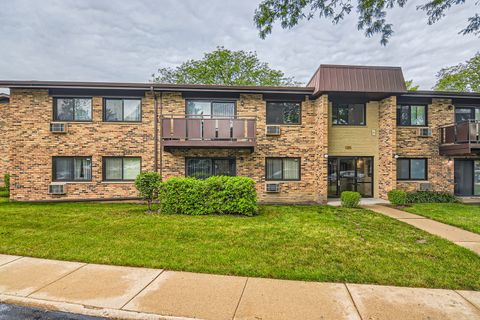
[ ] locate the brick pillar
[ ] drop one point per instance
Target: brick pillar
(387, 145)
(321, 129)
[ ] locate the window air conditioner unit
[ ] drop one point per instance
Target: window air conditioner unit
(273, 130)
(424, 132)
(58, 127)
(272, 187)
(57, 188)
(425, 186)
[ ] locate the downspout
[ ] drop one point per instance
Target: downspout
(155, 131)
(161, 133)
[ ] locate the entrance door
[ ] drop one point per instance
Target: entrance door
(467, 177)
(350, 174)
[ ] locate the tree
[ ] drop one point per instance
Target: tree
(224, 67)
(371, 14)
(410, 86)
(462, 77)
(148, 184)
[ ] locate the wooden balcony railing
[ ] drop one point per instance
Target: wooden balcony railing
(460, 138)
(207, 131)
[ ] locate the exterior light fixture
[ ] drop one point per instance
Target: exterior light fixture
(396, 156)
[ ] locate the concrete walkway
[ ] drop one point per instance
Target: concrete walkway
(459, 236)
(141, 293)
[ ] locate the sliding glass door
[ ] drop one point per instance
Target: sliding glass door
(350, 174)
(467, 177)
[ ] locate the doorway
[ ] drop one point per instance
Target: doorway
(467, 177)
(350, 174)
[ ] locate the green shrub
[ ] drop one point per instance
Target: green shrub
(147, 184)
(350, 199)
(430, 197)
(6, 181)
(397, 197)
(226, 195)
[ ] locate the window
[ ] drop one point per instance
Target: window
(411, 169)
(215, 109)
(283, 169)
(283, 112)
(121, 168)
(349, 114)
(412, 115)
(122, 110)
(466, 113)
(202, 168)
(72, 109)
(72, 169)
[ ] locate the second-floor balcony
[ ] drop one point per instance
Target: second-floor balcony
(197, 131)
(461, 138)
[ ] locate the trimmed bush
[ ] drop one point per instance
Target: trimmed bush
(430, 197)
(397, 197)
(147, 184)
(222, 194)
(350, 199)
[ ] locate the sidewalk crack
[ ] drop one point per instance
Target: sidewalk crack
(240, 299)
(353, 301)
(146, 286)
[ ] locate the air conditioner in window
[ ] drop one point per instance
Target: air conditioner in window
(425, 186)
(272, 187)
(273, 130)
(58, 127)
(424, 132)
(57, 188)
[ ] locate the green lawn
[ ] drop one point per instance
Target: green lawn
(289, 242)
(464, 216)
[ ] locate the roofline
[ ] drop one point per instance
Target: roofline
(152, 86)
(442, 94)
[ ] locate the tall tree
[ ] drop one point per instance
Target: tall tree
(372, 14)
(224, 67)
(462, 77)
(410, 86)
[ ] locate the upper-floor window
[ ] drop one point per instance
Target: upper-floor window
(72, 168)
(122, 110)
(349, 114)
(411, 169)
(72, 109)
(283, 112)
(202, 168)
(121, 168)
(282, 169)
(466, 113)
(411, 115)
(211, 108)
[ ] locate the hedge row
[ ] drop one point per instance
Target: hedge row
(217, 194)
(400, 198)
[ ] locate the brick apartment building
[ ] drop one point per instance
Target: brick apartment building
(351, 128)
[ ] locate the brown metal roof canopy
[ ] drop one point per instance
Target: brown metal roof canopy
(343, 78)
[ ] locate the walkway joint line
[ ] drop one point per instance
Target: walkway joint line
(465, 298)
(353, 301)
(240, 299)
(155, 278)
(65, 275)
(3, 264)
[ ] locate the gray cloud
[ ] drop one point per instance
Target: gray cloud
(126, 41)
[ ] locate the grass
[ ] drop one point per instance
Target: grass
(314, 243)
(456, 214)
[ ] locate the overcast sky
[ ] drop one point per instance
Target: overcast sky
(126, 41)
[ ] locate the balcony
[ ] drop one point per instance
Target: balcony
(462, 138)
(195, 131)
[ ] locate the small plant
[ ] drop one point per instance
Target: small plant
(397, 197)
(148, 184)
(430, 197)
(6, 181)
(350, 199)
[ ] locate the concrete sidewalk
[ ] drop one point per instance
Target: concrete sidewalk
(141, 293)
(458, 236)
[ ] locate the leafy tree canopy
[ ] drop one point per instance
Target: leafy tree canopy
(462, 77)
(410, 86)
(372, 14)
(224, 67)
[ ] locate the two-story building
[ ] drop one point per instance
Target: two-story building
(351, 128)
